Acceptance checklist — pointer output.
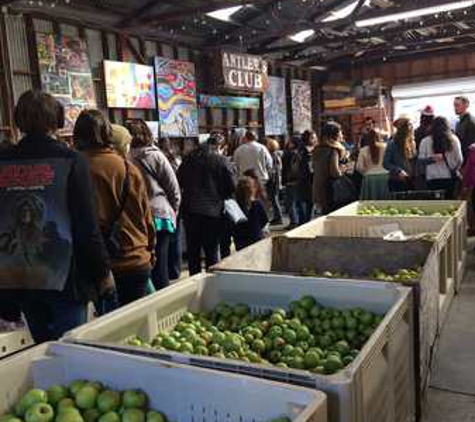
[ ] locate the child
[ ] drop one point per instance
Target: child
(245, 234)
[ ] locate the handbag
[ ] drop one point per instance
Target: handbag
(233, 212)
(113, 234)
(342, 189)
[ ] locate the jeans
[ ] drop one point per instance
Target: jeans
(202, 233)
(290, 203)
(50, 314)
(398, 186)
(304, 210)
(128, 288)
(273, 194)
(160, 273)
(174, 254)
(447, 185)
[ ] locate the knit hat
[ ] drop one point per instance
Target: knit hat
(121, 138)
(428, 111)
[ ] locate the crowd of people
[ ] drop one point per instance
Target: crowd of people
(122, 195)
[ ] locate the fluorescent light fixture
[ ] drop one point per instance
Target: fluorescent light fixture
(302, 35)
(224, 14)
(416, 13)
(344, 11)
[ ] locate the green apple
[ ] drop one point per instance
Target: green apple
(76, 385)
(86, 397)
(64, 403)
(29, 399)
(108, 401)
(39, 412)
(110, 417)
(56, 393)
(91, 415)
(69, 411)
(133, 415)
(97, 385)
(153, 416)
(134, 399)
(9, 418)
(69, 415)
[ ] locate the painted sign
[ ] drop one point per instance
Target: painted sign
(275, 107)
(301, 106)
(243, 72)
(240, 103)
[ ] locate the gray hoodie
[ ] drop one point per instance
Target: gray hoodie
(162, 184)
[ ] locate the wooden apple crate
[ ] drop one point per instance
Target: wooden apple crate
(377, 386)
(183, 393)
(438, 230)
(459, 223)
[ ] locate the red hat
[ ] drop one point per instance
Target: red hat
(428, 111)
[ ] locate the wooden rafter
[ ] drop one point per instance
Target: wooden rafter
(185, 12)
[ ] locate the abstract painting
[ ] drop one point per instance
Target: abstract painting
(129, 85)
(301, 106)
(65, 72)
(177, 104)
(275, 107)
(237, 103)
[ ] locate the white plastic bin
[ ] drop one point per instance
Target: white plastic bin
(377, 386)
(183, 393)
(13, 341)
(459, 221)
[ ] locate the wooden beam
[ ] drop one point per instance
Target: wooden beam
(7, 2)
(184, 12)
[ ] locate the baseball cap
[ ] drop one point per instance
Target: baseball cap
(428, 111)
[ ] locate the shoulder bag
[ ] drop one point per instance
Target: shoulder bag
(342, 189)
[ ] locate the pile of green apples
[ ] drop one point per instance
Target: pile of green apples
(83, 401)
(402, 275)
(306, 336)
(408, 212)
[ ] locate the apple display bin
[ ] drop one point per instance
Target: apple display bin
(439, 230)
(377, 386)
(13, 341)
(183, 393)
(459, 222)
(357, 256)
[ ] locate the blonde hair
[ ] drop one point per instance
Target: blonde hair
(273, 145)
(121, 139)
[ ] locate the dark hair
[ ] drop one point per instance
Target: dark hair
(261, 192)
(307, 135)
(374, 139)
(442, 137)
(330, 131)
(244, 192)
(92, 130)
(426, 120)
(251, 135)
(464, 99)
(370, 119)
(38, 113)
(141, 134)
(404, 138)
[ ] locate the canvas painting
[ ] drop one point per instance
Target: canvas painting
(237, 103)
(129, 85)
(177, 103)
(65, 72)
(301, 106)
(275, 107)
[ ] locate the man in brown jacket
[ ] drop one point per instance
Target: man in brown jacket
(122, 205)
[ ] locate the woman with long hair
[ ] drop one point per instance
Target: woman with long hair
(370, 158)
(163, 193)
(326, 165)
(442, 153)
(251, 231)
(400, 156)
(122, 206)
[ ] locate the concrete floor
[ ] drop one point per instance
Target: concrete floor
(451, 396)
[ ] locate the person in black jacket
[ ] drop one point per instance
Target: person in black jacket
(465, 129)
(305, 182)
(52, 256)
(206, 181)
